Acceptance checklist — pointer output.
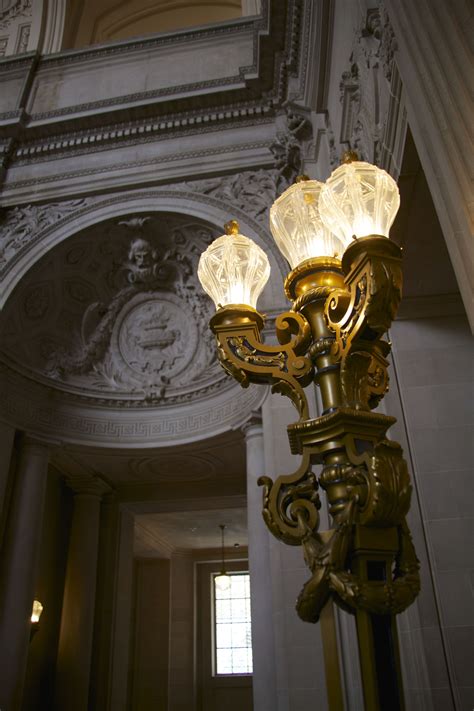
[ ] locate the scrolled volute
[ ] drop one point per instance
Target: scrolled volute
(388, 486)
(360, 314)
(244, 356)
(372, 269)
(291, 504)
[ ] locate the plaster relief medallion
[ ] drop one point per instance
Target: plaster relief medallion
(155, 338)
(173, 468)
(36, 302)
(116, 314)
(80, 291)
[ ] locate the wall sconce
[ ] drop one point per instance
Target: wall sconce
(345, 286)
(36, 613)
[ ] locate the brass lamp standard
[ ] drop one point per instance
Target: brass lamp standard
(345, 287)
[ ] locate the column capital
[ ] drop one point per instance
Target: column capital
(88, 485)
(35, 444)
(254, 421)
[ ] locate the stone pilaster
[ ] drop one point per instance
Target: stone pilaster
(18, 568)
(263, 646)
(7, 434)
(77, 619)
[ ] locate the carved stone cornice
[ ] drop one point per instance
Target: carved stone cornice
(29, 406)
(255, 88)
(116, 134)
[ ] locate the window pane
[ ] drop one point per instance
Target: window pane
(224, 661)
(233, 640)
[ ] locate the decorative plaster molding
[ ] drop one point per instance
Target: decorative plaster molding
(123, 134)
(194, 155)
(22, 225)
(145, 341)
(365, 87)
(23, 39)
(27, 232)
(162, 39)
(30, 407)
(12, 9)
(265, 81)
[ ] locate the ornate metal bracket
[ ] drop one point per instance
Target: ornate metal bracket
(244, 356)
(360, 313)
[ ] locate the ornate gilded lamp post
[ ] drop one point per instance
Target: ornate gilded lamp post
(345, 287)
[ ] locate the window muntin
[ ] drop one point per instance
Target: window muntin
(232, 627)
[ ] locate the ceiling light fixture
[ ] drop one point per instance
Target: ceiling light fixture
(222, 581)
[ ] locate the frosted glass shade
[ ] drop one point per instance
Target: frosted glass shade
(233, 269)
(297, 227)
(359, 199)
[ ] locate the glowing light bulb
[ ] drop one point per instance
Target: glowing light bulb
(358, 200)
(297, 227)
(36, 611)
(233, 269)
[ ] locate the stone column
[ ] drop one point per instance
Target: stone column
(182, 626)
(7, 434)
(299, 656)
(263, 644)
(18, 568)
(122, 613)
(77, 618)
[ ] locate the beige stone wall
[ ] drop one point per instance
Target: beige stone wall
(433, 364)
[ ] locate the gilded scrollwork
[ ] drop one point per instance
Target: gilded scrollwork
(388, 486)
(254, 356)
(364, 475)
(364, 377)
(384, 597)
(243, 354)
(325, 554)
(377, 494)
(291, 504)
(366, 309)
(360, 314)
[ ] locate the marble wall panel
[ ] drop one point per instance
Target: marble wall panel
(433, 368)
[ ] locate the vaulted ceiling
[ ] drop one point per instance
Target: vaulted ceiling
(91, 22)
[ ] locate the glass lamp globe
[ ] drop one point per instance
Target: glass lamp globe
(233, 269)
(359, 199)
(297, 227)
(36, 611)
(222, 582)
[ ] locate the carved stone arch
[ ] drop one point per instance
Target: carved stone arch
(34, 230)
(54, 26)
(65, 398)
